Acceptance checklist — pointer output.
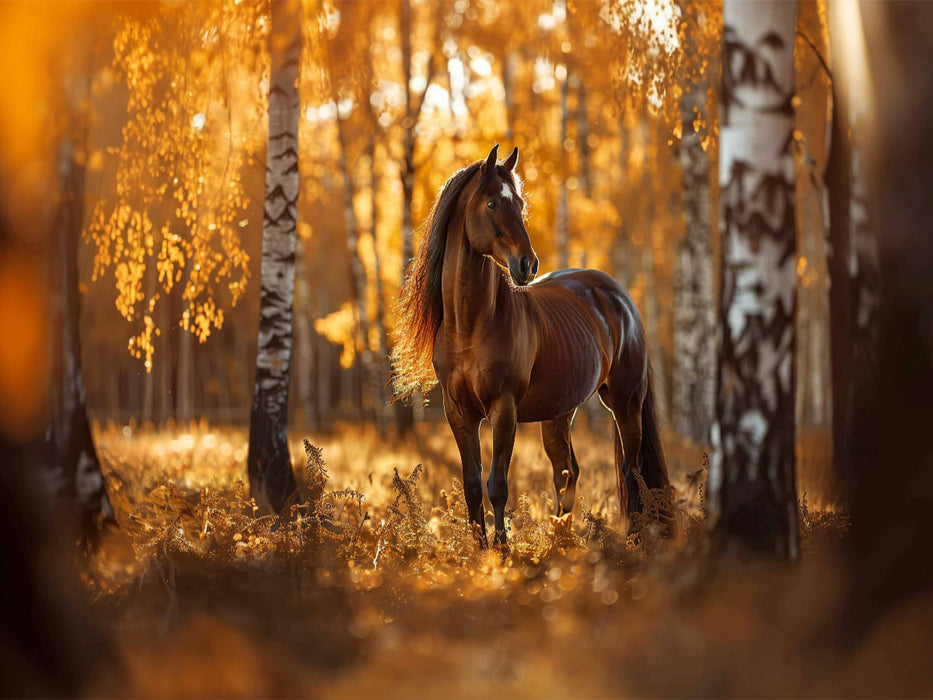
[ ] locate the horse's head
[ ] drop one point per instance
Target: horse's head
(494, 219)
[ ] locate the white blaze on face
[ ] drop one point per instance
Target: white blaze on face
(506, 192)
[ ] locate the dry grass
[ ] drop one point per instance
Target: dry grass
(376, 584)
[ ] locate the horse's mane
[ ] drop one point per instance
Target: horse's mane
(421, 307)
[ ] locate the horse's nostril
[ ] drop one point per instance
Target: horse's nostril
(524, 265)
(534, 268)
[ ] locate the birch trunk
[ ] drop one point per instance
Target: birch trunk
(752, 492)
(650, 215)
(74, 473)
(561, 230)
(270, 471)
(694, 379)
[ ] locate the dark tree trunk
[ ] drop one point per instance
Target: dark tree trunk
(865, 289)
(752, 492)
(865, 279)
(839, 187)
(74, 471)
(853, 260)
(892, 489)
(271, 478)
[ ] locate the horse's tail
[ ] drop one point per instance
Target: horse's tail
(653, 465)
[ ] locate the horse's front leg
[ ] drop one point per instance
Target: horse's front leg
(503, 420)
(466, 433)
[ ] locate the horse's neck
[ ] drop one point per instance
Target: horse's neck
(472, 284)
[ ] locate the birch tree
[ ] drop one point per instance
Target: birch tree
(752, 502)
(270, 472)
(694, 375)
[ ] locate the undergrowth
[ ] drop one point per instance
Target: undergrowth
(398, 534)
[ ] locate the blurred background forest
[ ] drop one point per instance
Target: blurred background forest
(168, 111)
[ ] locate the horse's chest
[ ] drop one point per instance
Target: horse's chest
(475, 380)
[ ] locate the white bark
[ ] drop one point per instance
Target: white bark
(694, 378)
(270, 472)
(752, 492)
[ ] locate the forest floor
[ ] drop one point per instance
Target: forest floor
(377, 587)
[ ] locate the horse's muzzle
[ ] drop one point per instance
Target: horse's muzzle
(523, 269)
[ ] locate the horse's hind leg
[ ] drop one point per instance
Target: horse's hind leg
(630, 430)
(556, 437)
(626, 414)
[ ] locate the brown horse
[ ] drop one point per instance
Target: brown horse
(509, 352)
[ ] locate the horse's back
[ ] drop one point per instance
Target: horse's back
(577, 277)
(586, 324)
(595, 289)
(583, 283)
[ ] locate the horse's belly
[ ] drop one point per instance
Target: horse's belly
(558, 391)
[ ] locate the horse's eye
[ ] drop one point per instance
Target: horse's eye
(492, 204)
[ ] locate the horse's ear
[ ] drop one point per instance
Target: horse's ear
(491, 159)
(512, 160)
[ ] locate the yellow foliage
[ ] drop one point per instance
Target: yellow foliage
(195, 120)
(342, 328)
